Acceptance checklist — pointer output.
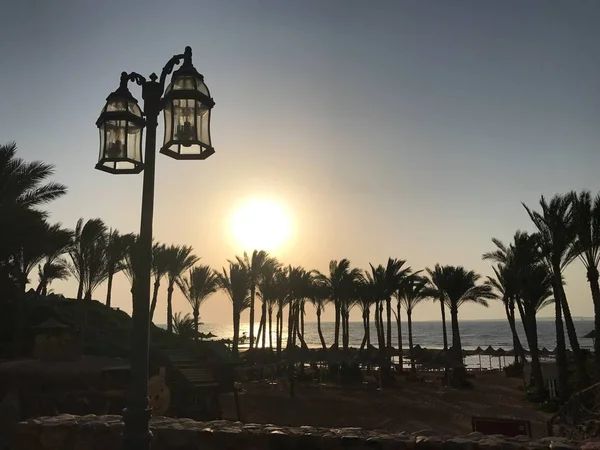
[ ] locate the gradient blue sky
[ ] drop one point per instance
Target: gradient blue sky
(411, 129)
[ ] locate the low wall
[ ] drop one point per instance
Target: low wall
(91, 432)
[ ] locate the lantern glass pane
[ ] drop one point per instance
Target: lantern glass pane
(202, 121)
(115, 139)
(102, 143)
(168, 123)
(184, 83)
(201, 87)
(134, 142)
(183, 112)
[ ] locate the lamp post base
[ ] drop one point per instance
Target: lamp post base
(137, 435)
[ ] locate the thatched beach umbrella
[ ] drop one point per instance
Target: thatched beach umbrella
(501, 353)
(545, 352)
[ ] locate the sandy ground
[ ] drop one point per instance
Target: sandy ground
(409, 406)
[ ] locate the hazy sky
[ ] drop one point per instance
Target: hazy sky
(410, 129)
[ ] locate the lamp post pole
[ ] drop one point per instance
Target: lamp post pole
(137, 434)
(187, 105)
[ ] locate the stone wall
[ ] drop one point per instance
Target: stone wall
(91, 432)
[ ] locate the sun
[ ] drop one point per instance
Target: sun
(261, 224)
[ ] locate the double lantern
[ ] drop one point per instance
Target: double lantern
(187, 107)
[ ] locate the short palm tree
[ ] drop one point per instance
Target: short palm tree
(586, 221)
(235, 282)
(50, 271)
(179, 259)
(54, 266)
(184, 326)
(88, 256)
(200, 283)
(557, 238)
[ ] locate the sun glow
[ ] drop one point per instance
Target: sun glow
(261, 224)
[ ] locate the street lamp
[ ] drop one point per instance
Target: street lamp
(187, 106)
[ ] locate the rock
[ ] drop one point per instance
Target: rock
(425, 432)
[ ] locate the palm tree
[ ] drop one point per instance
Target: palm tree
(459, 287)
(268, 292)
(256, 265)
(23, 188)
(54, 267)
(88, 256)
(116, 248)
(160, 267)
(376, 279)
(586, 221)
(365, 299)
(557, 237)
(179, 259)
(47, 242)
(200, 283)
(318, 297)
(394, 275)
(299, 285)
(412, 292)
(340, 285)
(50, 271)
(436, 291)
(281, 287)
(236, 283)
(185, 326)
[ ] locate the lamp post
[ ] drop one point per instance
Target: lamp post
(187, 106)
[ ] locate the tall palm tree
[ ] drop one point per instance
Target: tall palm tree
(268, 291)
(367, 297)
(394, 276)
(236, 284)
(436, 291)
(319, 298)
(116, 248)
(299, 285)
(179, 259)
(160, 267)
(88, 256)
(256, 265)
(23, 188)
(412, 292)
(586, 221)
(376, 279)
(200, 283)
(281, 287)
(557, 236)
(340, 284)
(460, 287)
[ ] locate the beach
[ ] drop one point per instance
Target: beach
(409, 406)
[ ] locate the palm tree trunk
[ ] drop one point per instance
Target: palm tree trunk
(592, 276)
(381, 337)
(509, 309)
(410, 340)
(263, 319)
(236, 331)
(444, 333)
(109, 287)
(290, 326)
(259, 332)
(364, 341)
(154, 298)
(170, 309)
(80, 290)
(376, 320)
(251, 330)
(279, 326)
(336, 333)
(368, 327)
(301, 306)
(388, 306)
(196, 319)
(399, 324)
(271, 327)
(536, 368)
(582, 375)
(319, 328)
(561, 350)
(458, 374)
